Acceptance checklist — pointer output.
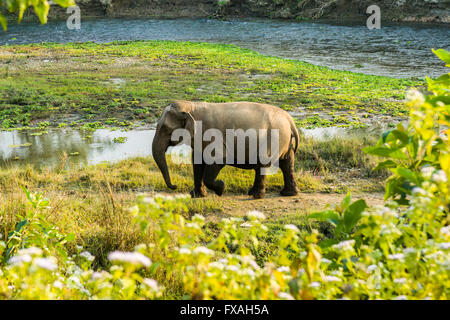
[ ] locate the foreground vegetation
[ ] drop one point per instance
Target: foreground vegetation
(396, 251)
(124, 83)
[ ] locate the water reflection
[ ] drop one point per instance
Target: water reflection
(82, 147)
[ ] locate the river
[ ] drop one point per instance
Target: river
(401, 51)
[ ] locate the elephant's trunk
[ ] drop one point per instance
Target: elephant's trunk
(159, 148)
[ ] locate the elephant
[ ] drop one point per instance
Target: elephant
(223, 116)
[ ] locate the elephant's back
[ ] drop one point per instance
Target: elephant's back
(246, 115)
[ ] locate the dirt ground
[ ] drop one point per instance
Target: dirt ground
(274, 204)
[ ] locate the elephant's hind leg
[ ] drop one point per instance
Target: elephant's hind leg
(287, 167)
(258, 190)
(209, 177)
(199, 187)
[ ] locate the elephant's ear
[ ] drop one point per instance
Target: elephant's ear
(171, 119)
(189, 125)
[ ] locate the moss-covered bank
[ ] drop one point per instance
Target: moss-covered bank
(121, 83)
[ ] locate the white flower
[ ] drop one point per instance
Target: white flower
(152, 284)
(409, 250)
(291, 227)
(332, 279)
(46, 263)
(134, 258)
(18, 260)
(397, 256)
(96, 276)
(427, 171)
(400, 280)
(401, 298)
(250, 260)
(87, 255)
(193, 225)
(255, 214)
(325, 260)
(346, 245)
(216, 265)
(439, 177)
(285, 296)
(203, 250)
(314, 284)
(249, 272)
(58, 284)
(446, 230)
(387, 212)
(246, 225)
(198, 217)
(444, 245)
(151, 201)
(233, 268)
(372, 268)
(284, 269)
(32, 251)
(184, 251)
(414, 96)
(417, 190)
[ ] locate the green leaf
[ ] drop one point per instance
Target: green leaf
(385, 152)
(385, 135)
(21, 224)
(41, 9)
(442, 54)
(353, 214)
(327, 243)
(3, 22)
(326, 215)
(65, 3)
(385, 164)
(407, 174)
(402, 136)
(346, 202)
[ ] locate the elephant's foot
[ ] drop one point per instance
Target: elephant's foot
(251, 191)
(259, 194)
(219, 187)
(287, 192)
(198, 193)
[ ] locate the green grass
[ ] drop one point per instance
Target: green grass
(120, 83)
(92, 201)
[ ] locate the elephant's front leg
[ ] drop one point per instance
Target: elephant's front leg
(209, 177)
(258, 191)
(199, 187)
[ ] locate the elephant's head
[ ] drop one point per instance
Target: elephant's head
(175, 116)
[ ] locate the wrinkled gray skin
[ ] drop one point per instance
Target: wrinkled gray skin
(222, 116)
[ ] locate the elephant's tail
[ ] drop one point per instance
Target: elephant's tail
(294, 135)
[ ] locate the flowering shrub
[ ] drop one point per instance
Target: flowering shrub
(387, 252)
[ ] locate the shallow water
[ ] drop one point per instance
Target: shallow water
(21, 148)
(394, 50)
(48, 149)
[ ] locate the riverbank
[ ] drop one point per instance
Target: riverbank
(122, 84)
(436, 11)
